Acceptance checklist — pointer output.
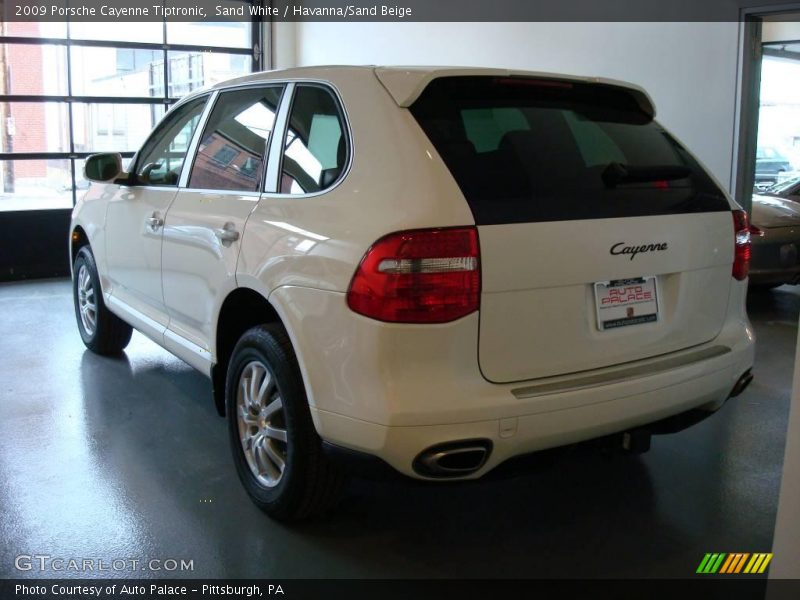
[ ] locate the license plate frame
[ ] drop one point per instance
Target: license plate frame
(626, 302)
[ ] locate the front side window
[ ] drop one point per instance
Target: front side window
(231, 152)
(315, 147)
(162, 157)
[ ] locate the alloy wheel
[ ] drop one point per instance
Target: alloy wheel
(262, 424)
(87, 302)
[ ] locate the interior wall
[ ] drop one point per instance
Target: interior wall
(690, 69)
(282, 44)
(781, 28)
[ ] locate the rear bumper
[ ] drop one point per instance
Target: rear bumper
(776, 257)
(392, 392)
(633, 404)
(778, 276)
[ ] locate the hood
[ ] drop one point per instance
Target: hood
(773, 211)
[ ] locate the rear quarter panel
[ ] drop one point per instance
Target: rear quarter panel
(396, 181)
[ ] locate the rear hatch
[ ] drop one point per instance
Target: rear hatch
(602, 240)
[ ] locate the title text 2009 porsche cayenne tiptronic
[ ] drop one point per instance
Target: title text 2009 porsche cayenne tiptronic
(440, 268)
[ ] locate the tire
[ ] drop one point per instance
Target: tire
(276, 449)
(102, 331)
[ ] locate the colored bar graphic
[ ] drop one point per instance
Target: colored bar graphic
(765, 563)
(733, 563)
(741, 562)
(718, 562)
(751, 563)
(703, 563)
(711, 563)
(729, 562)
(754, 563)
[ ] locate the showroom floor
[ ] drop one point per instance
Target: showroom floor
(127, 459)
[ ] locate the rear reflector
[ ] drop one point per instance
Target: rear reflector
(741, 256)
(420, 276)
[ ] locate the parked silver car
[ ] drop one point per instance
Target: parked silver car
(770, 165)
(775, 230)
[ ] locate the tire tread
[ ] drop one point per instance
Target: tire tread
(112, 334)
(317, 484)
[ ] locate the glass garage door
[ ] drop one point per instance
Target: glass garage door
(68, 90)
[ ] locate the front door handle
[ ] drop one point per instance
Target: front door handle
(227, 234)
(154, 222)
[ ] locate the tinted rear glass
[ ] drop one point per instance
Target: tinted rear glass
(524, 150)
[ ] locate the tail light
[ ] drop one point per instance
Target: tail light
(420, 276)
(741, 256)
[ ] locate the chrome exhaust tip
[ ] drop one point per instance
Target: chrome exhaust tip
(453, 459)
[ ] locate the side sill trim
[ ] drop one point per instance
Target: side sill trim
(197, 357)
(136, 319)
(645, 369)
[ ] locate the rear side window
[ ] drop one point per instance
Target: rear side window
(315, 147)
(232, 148)
(525, 150)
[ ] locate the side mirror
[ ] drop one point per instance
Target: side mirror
(103, 168)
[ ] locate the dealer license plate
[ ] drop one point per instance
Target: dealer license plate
(625, 302)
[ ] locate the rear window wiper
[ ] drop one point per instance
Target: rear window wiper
(616, 173)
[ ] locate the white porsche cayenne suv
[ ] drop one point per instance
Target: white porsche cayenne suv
(434, 268)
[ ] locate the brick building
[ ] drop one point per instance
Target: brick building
(26, 76)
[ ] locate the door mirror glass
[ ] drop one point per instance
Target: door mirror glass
(103, 168)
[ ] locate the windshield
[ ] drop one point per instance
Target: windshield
(784, 186)
(768, 153)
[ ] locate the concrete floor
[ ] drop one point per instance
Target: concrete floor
(126, 458)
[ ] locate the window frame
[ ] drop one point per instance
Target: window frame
(194, 147)
(259, 58)
(158, 131)
(275, 158)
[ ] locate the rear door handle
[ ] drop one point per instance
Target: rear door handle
(227, 234)
(154, 222)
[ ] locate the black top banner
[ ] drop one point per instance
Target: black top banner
(392, 11)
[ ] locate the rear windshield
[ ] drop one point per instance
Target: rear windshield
(524, 150)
